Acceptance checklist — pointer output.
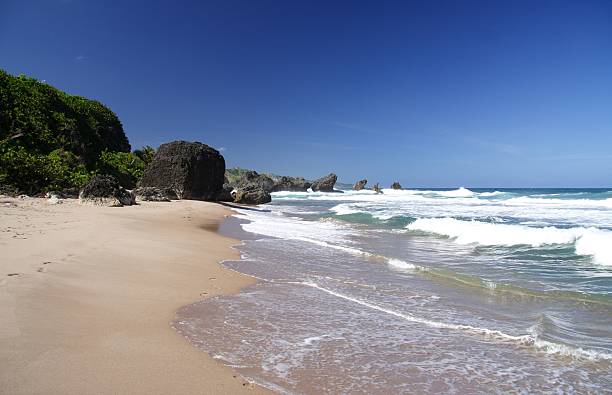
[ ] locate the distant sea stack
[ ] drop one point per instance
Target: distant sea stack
(359, 185)
(191, 170)
(325, 184)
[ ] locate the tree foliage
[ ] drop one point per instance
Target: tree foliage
(52, 140)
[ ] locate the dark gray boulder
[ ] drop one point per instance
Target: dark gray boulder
(251, 177)
(359, 185)
(106, 191)
(251, 194)
(396, 185)
(291, 184)
(225, 194)
(192, 170)
(325, 183)
(153, 194)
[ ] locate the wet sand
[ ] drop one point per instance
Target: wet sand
(87, 295)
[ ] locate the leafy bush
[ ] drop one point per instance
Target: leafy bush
(126, 167)
(146, 154)
(33, 172)
(52, 140)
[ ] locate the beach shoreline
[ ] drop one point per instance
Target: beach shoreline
(88, 295)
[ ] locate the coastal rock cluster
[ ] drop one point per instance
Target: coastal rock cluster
(191, 170)
(396, 185)
(106, 191)
(325, 183)
(359, 185)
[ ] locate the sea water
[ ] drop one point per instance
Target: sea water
(413, 291)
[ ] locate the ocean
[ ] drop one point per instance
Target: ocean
(419, 291)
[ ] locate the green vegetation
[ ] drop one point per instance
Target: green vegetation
(50, 140)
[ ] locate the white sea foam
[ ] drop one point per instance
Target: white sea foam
(529, 339)
(402, 265)
(460, 192)
(588, 241)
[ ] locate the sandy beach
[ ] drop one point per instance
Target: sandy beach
(87, 295)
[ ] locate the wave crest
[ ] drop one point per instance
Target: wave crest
(588, 241)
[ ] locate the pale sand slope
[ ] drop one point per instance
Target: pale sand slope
(89, 311)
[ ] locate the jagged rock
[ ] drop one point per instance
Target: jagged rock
(190, 170)
(106, 191)
(225, 195)
(8, 190)
(292, 184)
(359, 185)
(325, 184)
(251, 194)
(251, 177)
(153, 194)
(396, 185)
(376, 188)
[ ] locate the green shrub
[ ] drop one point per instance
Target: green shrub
(33, 172)
(126, 167)
(146, 154)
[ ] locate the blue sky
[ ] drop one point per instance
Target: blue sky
(430, 93)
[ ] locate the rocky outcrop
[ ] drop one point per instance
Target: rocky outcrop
(325, 184)
(225, 194)
(251, 177)
(292, 184)
(237, 177)
(376, 188)
(251, 194)
(359, 185)
(153, 194)
(106, 191)
(396, 185)
(191, 170)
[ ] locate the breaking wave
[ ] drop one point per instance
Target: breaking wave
(587, 241)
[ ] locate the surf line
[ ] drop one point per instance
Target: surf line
(526, 340)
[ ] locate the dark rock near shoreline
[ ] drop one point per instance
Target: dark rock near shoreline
(191, 170)
(106, 191)
(376, 188)
(359, 185)
(396, 185)
(251, 194)
(292, 184)
(153, 194)
(225, 194)
(325, 184)
(270, 183)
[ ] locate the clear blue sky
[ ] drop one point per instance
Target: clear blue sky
(430, 93)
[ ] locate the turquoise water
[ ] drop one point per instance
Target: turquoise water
(420, 291)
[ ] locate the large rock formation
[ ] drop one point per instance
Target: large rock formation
(251, 194)
(237, 177)
(106, 191)
(190, 170)
(396, 185)
(251, 177)
(292, 184)
(359, 185)
(153, 194)
(325, 184)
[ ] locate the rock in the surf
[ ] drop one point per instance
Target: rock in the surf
(359, 185)
(325, 183)
(251, 194)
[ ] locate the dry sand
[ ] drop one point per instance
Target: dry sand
(87, 295)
